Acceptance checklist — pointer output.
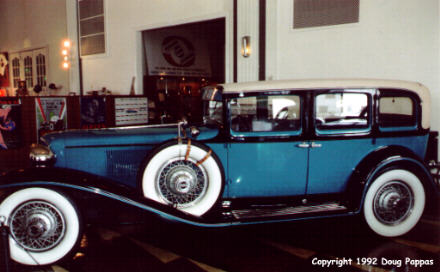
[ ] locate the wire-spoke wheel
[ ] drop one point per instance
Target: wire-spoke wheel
(37, 225)
(181, 182)
(394, 203)
(183, 175)
(44, 225)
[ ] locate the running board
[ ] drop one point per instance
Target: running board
(284, 211)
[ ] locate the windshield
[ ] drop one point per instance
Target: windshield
(213, 112)
(212, 105)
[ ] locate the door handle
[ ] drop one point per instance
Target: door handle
(303, 145)
(315, 145)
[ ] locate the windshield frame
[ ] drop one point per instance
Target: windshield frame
(213, 106)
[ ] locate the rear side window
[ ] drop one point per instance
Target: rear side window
(397, 111)
(335, 112)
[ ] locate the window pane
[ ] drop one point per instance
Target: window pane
(341, 110)
(41, 71)
(92, 26)
(266, 113)
(92, 45)
(89, 8)
(16, 71)
(396, 112)
(28, 71)
(213, 112)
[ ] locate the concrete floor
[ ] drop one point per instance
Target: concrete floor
(299, 246)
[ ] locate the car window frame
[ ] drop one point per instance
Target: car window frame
(267, 135)
(416, 109)
(362, 131)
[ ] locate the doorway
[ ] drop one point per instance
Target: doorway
(179, 61)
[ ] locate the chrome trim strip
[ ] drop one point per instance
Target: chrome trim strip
(255, 213)
(145, 126)
(170, 125)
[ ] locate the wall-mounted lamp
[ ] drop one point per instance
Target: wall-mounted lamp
(246, 46)
(65, 52)
(66, 43)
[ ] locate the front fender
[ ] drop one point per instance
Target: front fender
(61, 176)
(80, 186)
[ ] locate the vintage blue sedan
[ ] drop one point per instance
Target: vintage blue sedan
(266, 152)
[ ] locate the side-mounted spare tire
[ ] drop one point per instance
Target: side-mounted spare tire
(394, 202)
(44, 225)
(186, 175)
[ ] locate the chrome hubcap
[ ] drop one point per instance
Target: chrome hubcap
(393, 203)
(37, 226)
(181, 182)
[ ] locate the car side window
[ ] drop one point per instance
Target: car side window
(266, 113)
(397, 111)
(341, 111)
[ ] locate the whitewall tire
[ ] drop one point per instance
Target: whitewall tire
(184, 175)
(44, 225)
(394, 203)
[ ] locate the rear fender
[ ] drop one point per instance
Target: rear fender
(377, 162)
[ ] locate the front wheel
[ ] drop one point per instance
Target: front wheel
(394, 203)
(44, 225)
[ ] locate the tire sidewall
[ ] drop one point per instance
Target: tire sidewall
(171, 150)
(71, 219)
(417, 189)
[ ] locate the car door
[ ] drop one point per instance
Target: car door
(267, 156)
(342, 138)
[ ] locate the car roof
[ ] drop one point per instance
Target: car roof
(310, 84)
(256, 86)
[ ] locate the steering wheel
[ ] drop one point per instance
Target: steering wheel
(283, 114)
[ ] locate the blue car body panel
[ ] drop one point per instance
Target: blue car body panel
(267, 169)
(332, 164)
(262, 169)
(118, 157)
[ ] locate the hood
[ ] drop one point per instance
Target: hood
(120, 136)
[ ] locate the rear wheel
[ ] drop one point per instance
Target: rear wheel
(394, 203)
(44, 225)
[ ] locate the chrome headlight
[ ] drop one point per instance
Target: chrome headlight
(41, 155)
